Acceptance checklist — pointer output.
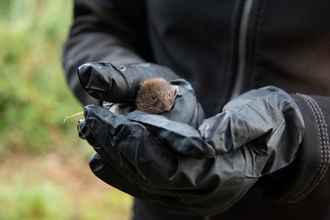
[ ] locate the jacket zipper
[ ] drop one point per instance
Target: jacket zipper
(242, 48)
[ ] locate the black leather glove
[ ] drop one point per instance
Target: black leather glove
(154, 158)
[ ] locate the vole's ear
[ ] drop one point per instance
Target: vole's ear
(142, 84)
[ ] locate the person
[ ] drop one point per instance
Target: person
(261, 153)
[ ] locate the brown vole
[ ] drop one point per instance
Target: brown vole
(155, 96)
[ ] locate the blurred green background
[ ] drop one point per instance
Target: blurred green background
(44, 171)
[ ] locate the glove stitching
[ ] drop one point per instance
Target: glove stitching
(324, 144)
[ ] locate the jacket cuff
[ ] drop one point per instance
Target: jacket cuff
(307, 178)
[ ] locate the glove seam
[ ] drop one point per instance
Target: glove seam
(324, 146)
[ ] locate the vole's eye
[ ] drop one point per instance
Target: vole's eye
(169, 94)
(153, 97)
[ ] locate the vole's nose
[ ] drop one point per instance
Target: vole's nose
(166, 107)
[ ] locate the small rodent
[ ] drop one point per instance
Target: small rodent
(155, 96)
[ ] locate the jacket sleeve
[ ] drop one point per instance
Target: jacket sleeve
(104, 30)
(307, 178)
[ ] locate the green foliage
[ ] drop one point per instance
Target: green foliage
(35, 97)
(32, 200)
(23, 197)
(116, 205)
(34, 100)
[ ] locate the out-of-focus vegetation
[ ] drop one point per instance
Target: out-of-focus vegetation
(44, 171)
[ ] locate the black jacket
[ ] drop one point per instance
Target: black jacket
(225, 48)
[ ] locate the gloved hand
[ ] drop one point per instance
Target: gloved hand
(154, 158)
(112, 84)
(109, 83)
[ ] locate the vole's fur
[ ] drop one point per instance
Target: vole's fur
(155, 96)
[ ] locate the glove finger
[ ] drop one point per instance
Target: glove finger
(107, 82)
(122, 160)
(246, 118)
(186, 108)
(130, 149)
(111, 173)
(86, 134)
(131, 145)
(267, 119)
(179, 137)
(228, 131)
